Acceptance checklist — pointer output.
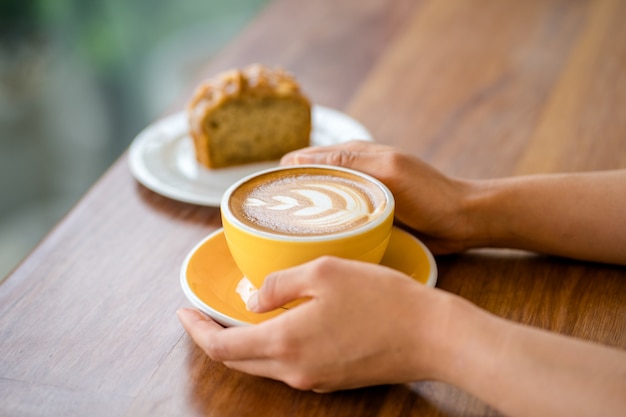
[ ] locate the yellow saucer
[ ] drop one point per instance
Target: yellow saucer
(209, 276)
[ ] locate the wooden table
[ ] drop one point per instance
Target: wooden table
(478, 88)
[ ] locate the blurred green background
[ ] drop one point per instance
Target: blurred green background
(78, 80)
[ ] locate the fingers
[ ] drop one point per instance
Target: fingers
(280, 288)
(220, 344)
(344, 154)
(199, 327)
(236, 344)
(250, 349)
(340, 157)
(238, 348)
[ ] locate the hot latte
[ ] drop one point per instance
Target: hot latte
(307, 202)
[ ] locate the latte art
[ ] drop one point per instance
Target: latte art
(309, 205)
(316, 208)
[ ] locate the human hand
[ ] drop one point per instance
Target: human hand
(362, 324)
(426, 200)
(365, 324)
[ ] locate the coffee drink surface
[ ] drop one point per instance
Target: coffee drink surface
(307, 202)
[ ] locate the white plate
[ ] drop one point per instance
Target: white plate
(163, 159)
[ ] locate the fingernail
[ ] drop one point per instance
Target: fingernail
(286, 160)
(182, 314)
(253, 302)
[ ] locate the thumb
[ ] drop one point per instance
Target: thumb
(284, 289)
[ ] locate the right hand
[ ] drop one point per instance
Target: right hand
(426, 200)
(361, 324)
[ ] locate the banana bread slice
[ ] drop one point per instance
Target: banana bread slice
(250, 115)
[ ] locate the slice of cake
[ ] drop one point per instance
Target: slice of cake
(250, 115)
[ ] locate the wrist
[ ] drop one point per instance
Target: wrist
(466, 340)
(481, 207)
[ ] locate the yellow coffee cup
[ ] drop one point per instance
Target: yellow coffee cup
(283, 217)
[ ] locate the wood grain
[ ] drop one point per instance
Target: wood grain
(583, 121)
(480, 89)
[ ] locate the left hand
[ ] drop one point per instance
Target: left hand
(431, 203)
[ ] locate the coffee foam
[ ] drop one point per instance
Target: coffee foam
(309, 204)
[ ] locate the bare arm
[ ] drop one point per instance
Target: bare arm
(524, 371)
(580, 215)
